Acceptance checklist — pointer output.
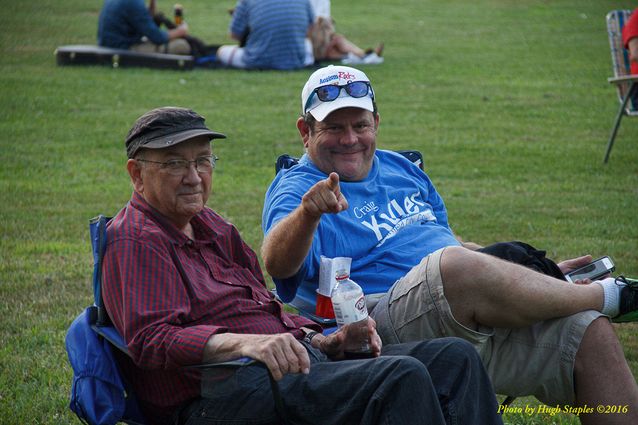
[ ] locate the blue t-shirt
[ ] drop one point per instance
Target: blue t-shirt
(276, 32)
(123, 23)
(394, 219)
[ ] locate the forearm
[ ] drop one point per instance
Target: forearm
(224, 346)
(287, 244)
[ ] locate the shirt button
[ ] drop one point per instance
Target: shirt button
(260, 303)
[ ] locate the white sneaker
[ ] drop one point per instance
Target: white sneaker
(352, 59)
(372, 59)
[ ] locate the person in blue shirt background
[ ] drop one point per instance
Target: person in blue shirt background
(128, 24)
(274, 32)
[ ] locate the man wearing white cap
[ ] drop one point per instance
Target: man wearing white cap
(536, 334)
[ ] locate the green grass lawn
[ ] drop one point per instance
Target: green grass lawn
(508, 101)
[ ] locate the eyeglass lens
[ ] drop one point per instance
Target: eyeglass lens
(331, 92)
(203, 164)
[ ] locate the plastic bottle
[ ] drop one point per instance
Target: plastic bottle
(179, 14)
(349, 305)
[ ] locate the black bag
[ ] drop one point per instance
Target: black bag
(525, 255)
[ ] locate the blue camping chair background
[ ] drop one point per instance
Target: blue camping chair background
(626, 83)
(92, 328)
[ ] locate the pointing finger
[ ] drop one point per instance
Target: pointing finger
(333, 182)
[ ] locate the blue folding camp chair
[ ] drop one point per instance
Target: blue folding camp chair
(305, 308)
(626, 83)
(90, 399)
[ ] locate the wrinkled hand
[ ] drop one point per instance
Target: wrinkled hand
(281, 353)
(325, 197)
(350, 337)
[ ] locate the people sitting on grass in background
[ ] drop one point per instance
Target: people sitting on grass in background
(183, 288)
(328, 45)
(537, 334)
(273, 34)
(128, 24)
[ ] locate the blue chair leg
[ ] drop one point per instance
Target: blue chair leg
(633, 89)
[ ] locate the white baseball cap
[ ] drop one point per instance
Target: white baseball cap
(337, 76)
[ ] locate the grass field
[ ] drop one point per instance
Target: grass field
(508, 101)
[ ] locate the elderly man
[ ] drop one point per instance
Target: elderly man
(537, 335)
(183, 288)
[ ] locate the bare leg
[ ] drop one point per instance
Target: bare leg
(341, 46)
(603, 378)
(487, 290)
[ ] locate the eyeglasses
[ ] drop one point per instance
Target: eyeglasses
(330, 92)
(180, 167)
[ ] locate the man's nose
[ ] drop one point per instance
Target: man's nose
(349, 136)
(192, 175)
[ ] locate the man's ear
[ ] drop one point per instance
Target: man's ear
(304, 131)
(135, 172)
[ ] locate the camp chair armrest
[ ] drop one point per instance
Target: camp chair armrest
(633, 78)
(240, 362)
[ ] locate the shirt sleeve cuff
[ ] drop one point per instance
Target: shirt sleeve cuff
(190, 343)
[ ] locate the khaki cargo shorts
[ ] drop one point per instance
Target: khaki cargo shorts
(537, 360)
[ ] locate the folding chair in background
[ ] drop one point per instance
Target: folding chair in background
(100, 395)
(626, 83)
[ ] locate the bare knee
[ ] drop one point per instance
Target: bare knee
(599, 346)
(457, 266)
(455, 262)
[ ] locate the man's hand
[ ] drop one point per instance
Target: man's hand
(287, 244)
(281, 353)
(350, 337)
(324, 197)
(574, 263)
(179, 32)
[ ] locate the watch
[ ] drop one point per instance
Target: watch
(308, 336)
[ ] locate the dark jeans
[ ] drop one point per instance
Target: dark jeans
(434, 382)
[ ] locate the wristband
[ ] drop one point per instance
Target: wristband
(308, 337)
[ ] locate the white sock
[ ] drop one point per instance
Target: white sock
(611, 303)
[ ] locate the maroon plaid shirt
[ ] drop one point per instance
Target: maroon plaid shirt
(168, 294)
